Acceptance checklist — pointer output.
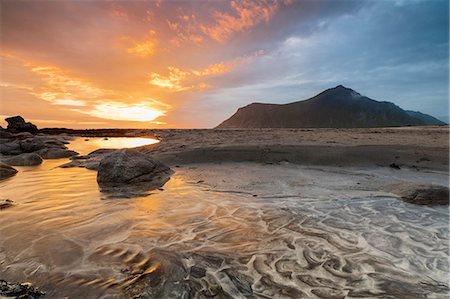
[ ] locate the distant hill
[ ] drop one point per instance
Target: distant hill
(427, 119)
(338, 107)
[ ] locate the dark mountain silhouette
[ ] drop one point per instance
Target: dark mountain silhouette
(338, 107)
(427, 119)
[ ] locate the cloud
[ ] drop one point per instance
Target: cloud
(245, 15)
(143, 48)
(221, 24)
(68, 102)
(217, 55)
(181, 80)
(176, 77)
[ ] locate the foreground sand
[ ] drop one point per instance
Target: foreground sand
(313, 218)
(417, 147)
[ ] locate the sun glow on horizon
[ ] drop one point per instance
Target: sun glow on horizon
(141, 112)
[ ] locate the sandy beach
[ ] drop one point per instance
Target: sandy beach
(421, 147)
(273, 213)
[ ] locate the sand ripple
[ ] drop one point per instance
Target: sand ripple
(199, 240)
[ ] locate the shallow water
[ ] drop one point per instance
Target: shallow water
(68, 238)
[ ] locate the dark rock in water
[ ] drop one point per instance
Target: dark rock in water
(165, 279)
(19, 290)
(90, 161)
(18, 124)
(6, 203)
(6, 171)
(27, 159)
(128, 168)
(10, 148)
(395, 166)
(32, 144)
(422, 194)
(56, 153)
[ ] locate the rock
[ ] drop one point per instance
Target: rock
(421, 194)
(90, 161)
(6, 171)
(19, 290)
(395, 166)
(18, 124)
(6, 203)
(166, 278)
(22, 135)
(32, 144)
(10, 148)
(56, 153)
(5, 134)
(125, 167)
(27, 159)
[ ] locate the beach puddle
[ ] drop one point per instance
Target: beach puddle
(267, 238)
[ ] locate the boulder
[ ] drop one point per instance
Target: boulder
(32, 144)
(56, 153)
(5, 134)
(10, 148)
(22, 135)
(90, 161)
(27, 159)
(18, 124)
(128, 167)
(421, 194)
(6, 171)
(165, 277)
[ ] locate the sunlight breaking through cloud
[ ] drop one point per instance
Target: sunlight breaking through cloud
(130, 112)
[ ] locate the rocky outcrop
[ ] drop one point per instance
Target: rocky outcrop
(17, 144)
(19, 290)
(18, 124)
(421, 194)
(32, 144)
(56, 153)
(90, 161)
(129, 168)
(6, 171)
(27, 159)
(10, 148)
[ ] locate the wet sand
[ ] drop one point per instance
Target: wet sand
(418, 147)
(244, 216)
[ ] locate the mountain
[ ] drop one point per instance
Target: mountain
(338, 107)
(425, 118)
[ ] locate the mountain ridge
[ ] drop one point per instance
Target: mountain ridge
(338, 107)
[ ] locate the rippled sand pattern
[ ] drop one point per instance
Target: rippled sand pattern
(203, 241)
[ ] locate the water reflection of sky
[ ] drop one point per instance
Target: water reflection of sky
(87, 145)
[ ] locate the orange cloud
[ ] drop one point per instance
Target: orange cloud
(58, 87)
(174, 79)
(246, 15)
(144, 48)
(243, 16)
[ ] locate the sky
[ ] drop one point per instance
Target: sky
(192, 64)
